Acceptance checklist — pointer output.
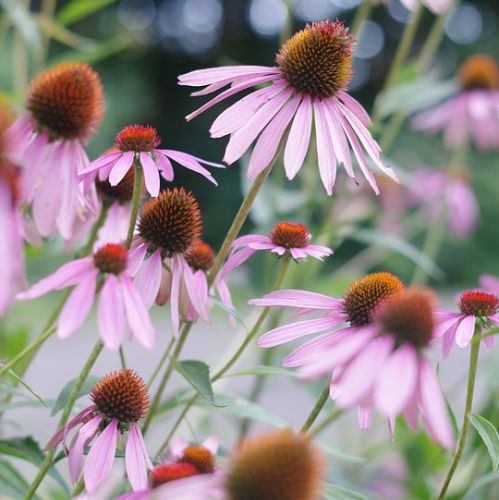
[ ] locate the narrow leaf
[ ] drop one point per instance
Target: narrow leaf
(335, 492)
(489, 436)
(26, 386)
(263, 371)
(197, 374)
(76, 10)
(228, 310)
(63, 397)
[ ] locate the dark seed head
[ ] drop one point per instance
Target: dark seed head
(317, 61)
(280, 465)
(122, 192)
(171, 222)
(479, 304)
(365, 294)
(111, 258)
(479, 72)
(199, 456)
(121, 395)
(199, 255)
(290, 235)
(67, 101)
(138, 138)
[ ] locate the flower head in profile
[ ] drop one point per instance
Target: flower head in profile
(278, 465)
(190, 469)
(120, 401)
(306, 87)
(473, 113)
(119, 302)
(477, 309)
(285, 237)
(137, 143)
(167, 226)
(64, 109)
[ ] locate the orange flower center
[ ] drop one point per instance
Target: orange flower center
(199, 255)
(137, 138)
(477, 303)
(170, 472)
(290, 235)
(479, 72)
(111, 258)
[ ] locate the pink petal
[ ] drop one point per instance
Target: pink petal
(61, 434)
(358, 378)
(165, 166)
(111, 313)
(78, 305)
(465, 331)
(101, 457)
(202, 77)
(287, 333)
(135, 461)
(266, 146)
(136, 255)
(397, 381)
(449, 339)
(176, 272)
(82, 438)
(235, 260)
(121, 167)
(151, 174)
(190, 163)
(298, 139)
(137, 315)
(69, 190)
(67, 275)
(195, 294)
(364, 417)
(433, 406)
(325, 152)
(243, 241)
(298, 298)
(101, 162)
(148, 279)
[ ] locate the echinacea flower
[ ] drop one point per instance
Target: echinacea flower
(64, 109)
(137, 143)
(120, 401)
(308, 84)
(473, 113)
(436, 6)
(119, 302)
(195, 461)
(276, 465)
(285, 237)
(477, 309)
(490, 283)
(451, 191)
(167, 225)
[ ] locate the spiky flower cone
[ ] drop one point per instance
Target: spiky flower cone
(279, 465)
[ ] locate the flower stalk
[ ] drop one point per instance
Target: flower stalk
(323, 397)
(137, 191)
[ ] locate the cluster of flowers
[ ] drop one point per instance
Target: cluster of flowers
(376, 336)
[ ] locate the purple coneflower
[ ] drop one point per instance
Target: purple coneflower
(490, 283)
(436, 6)
(120, 400)
(471, 114)
(64, 108)
(119, 301)
(314, 68)
(285, 237)
(167, 226)
(476, 309)
(139, 143)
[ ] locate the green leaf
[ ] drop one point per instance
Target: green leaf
(335, 492)
(52, 29)
(240, 407)
(263, 371)
(23, 21)
(489, 436)
(197, 374)
(19, 380)
(339, 455)
(63, 397)
(452, 418)
(398, 245)
(12, 483)
(76, 10)
(231, 312)
(26, 448)
(490, 479)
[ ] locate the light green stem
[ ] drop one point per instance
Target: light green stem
(230, 363)
(474, 351)
(137, 193)
(323, 397)
(161, 362)
(47, 463)
(362, 14)
(325, 422)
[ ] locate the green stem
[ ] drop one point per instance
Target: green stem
(122, 358)
(79, 488)
(325, 422)
(166, 377)
(238, 221)
(399, 58)
(47, 463)
(161, 362)
(137, 193)
(474, 351)
(92, 238)
(285, 261)
(323, 397)
(363, 12)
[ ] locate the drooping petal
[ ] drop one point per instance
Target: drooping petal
(165, 167)
(135, 461)
(207, 76)
(397, 381)
(465, 331)
(148, 279)
(101, 162)
(78, 305)
(325, 153)
(176, 272)
(111, 313)
(190, 163)
(101, 457)
(137, 314)
(235, 260)
(298, 139)
(433, 406)
(121, 167)
(151, 174)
